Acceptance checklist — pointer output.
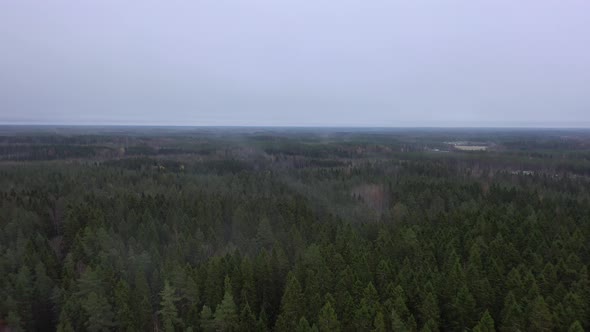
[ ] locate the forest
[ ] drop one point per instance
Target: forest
(294, 229)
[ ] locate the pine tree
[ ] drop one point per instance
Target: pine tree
(312, 294)
(512, 314)
(368, 307)
(429, 311)
(264, 234)
(226, 316)
(379, 323)
(207, 323)
(411, 324)
(168, 311)
(540, 318)
(262, 321)
(303, 326)
(327, 319)
(576, 327)
(99, 311)
(141, 302)
(122, 299)
(65, 325)
(486, 324)
(363, 317)
(399, 303)
(463, 309)
(292, 305)
(23, 291)
(248, 292)
(397, 323)
(247, 320)
(430, 326)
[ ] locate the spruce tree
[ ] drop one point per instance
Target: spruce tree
(429, 311)
(576, 327)
(124, 314)
(397, 323)
(540, 318)
(486, 323)
(512, 314)
(226, 317)
(379, 323)
(292, 305)
(247, 320)
(206, 319)
(327, 319)
(168, 311)
(99, 312)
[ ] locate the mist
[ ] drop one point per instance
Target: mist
(292, 63)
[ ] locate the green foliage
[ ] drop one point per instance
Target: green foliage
(303, 326)
(429, 311)
(292, 305)
(540, 318)
(226, 316)
(287, 231)
(168, 311)
(207, 323)
(379, 323)
(247, 321)
(327, 319)
(99, 312)
(576, 327)
(486, 323)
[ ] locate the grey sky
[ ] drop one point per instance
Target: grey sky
(294, 62)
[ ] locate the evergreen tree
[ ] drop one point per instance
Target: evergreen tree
(512, 315)
(292, 306)
(207, 323)
(368, 307)
(397, 323)
(430, 312)
(99, 312)
(303, 326)
(429, 326)
(142, 302)
(226, 317)
(379, 323)
(124, 315)
(540, 318)
(463, 309)
(262, 321)
(264, 234)
(247, 320)
(486, 324)
(327, 319)
(168, 311)
(576, 327)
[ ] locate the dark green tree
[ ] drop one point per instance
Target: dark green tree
(206, 319)
(247, 320)
(292, 306)
(327, 319)
(486, 323)
(226, 316)
(99, 312)
(168, 311)
(540, 318)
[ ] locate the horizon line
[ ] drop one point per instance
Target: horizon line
(412, 126)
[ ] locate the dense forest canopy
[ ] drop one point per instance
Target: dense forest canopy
(294, 229)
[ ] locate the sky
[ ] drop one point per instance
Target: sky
(296, 63)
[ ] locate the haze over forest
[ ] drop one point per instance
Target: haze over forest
(292, 63)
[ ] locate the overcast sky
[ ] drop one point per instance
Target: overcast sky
(296, 62)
